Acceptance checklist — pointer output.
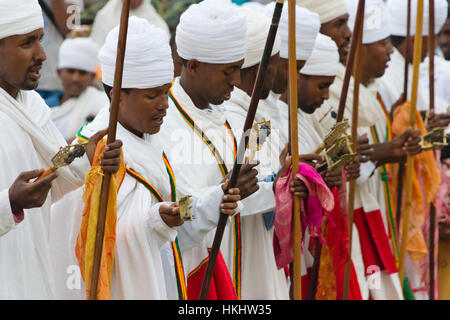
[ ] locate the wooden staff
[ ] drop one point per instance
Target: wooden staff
(401, 167)
(351, 194)
(412, 122)
(432, 230)
(111, 138)
(256, 94)
(293, 126)
(357, 34)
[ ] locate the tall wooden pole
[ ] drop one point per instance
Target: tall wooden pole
(293, 113)
(357, 33)
(351, 194)
(98, 249)
(412, 122)
(401, 168)
(256, 94)
(432, 229)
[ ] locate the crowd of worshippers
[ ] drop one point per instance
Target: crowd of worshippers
(186, 92)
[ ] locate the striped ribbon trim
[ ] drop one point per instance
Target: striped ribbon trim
(385, 179)
(178, 262)
(236, 219)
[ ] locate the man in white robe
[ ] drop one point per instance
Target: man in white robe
(30, 141)
(109, 16)
(211, 40)
(80, 101)
(144, 220)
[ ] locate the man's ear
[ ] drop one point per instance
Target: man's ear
(192, 66)
(58, 71)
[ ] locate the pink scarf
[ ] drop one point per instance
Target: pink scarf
(319, 198)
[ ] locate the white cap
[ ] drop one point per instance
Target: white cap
(19, 17)
(78, 53)
(324, 60)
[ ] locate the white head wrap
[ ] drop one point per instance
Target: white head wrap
(211, 32)
(398, 14)
(148, 57)
(258, 26)
(324, 60)
(307, 26)
(19, 17)
(78, 53)
(327, 9)
(376, 20)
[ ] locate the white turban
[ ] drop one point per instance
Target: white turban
(324, 60)
(211, 32)
(307, 26)
(19, 17)
(258, 26)
(398, 14)
(327, 9)
(78, 53)
(148, 57)
(376, 20)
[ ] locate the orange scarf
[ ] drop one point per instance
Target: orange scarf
(85, 245)
(426, 181)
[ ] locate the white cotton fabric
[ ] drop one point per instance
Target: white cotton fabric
(78, 53)
(212, 31)
(324, 60)
(327, 9)
(307, 26)
(258, 26)
(26, 271)
(398, 14)
(148, 64)
(376, 20)
(109, 17)
(19, 17)
(70, 116)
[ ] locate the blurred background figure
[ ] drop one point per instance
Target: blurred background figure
(79, 101)
(59, 17)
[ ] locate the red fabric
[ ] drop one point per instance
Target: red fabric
(375, 246)
(18, 216)
(337, 238)
(221, 287)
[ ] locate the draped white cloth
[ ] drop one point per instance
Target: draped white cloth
(142, 236)
(260, 278)
(70, 116)
(30, 140)
(210, 27)
(19, 17)
(109, 17)
(391, 84)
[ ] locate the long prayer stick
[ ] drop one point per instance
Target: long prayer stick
(432, 230)
(111, 138)
(357, 33)
(256, 94)
(401, 168)
(351, 196)
(412, 122)
(293, 112)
